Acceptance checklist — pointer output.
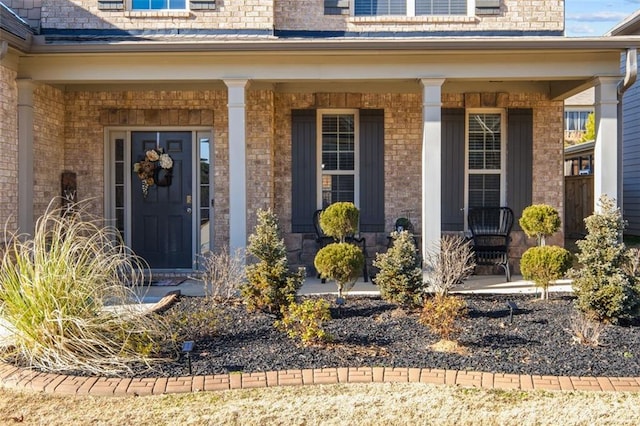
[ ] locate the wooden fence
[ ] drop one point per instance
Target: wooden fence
(578, 202)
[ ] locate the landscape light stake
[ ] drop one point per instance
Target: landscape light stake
(512, 306)
(187, 347)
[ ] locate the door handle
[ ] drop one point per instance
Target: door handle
(189, 210)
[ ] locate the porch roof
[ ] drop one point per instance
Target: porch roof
(266, 43)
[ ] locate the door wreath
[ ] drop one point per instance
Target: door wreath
(155, 169)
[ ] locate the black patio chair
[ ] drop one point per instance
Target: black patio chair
(490, 230)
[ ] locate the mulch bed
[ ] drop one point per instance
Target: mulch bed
(371, 332)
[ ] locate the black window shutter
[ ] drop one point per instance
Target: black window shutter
(372, 170)
(303, 170)
(519, 161)
(453, 128)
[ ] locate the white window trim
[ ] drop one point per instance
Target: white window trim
(130, 9)
(356, 166)
(575, 109)
(411, 10)
(503, 157)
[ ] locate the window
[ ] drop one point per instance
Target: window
(410, 7)
(576, 120)
(338, 153)
(485, 170)
(158, 4)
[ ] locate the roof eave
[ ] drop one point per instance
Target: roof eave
(364, 45)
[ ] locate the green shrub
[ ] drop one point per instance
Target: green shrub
(54, 289)
(605, 285)
(543, 264)
(340, 220)
(341, 262)
(270, 284)
(305, 321)
(442, 314)
(400, 275)
(540, 221)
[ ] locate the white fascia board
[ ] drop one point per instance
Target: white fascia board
(285, 67)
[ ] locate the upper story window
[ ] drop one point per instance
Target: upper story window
(410, 7)
(158, 4)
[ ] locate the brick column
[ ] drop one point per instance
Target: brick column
(25, 156)
(431, 161)
(237, 165)
(606, 148)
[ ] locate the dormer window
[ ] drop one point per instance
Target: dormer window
(410, 7)
(158, 4)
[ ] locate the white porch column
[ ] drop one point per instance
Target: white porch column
(237, 165)
(606, 147)
(431, 162)
(25, 156)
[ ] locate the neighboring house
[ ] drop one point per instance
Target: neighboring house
(630, 136)
(576, 111)
(406, 107)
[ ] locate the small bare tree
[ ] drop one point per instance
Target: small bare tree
(222, 274)
(585, 330)
(449, 264)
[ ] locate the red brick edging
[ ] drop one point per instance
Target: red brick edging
(20, 378)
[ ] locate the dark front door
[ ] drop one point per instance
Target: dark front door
(161, 225)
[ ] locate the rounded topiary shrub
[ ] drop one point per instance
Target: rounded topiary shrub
(543, 264)
(340, 220)
(540, 221)
(341, 262)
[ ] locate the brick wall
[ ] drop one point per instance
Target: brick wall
(88, 113)
(260, 154)
(228, 14)
(515, 15)
(9, 149)
(403, 141)
(48, 146)
(269, 149)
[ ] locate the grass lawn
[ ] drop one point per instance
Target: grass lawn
(366, 404)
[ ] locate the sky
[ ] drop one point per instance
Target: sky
(590, 18)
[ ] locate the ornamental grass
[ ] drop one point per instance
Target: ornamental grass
(53, 290)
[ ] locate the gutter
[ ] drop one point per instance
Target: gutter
(475, 44)
(631, 75)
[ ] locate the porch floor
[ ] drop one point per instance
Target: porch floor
(475, 284)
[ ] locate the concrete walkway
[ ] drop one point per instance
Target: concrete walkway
(20, 378)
